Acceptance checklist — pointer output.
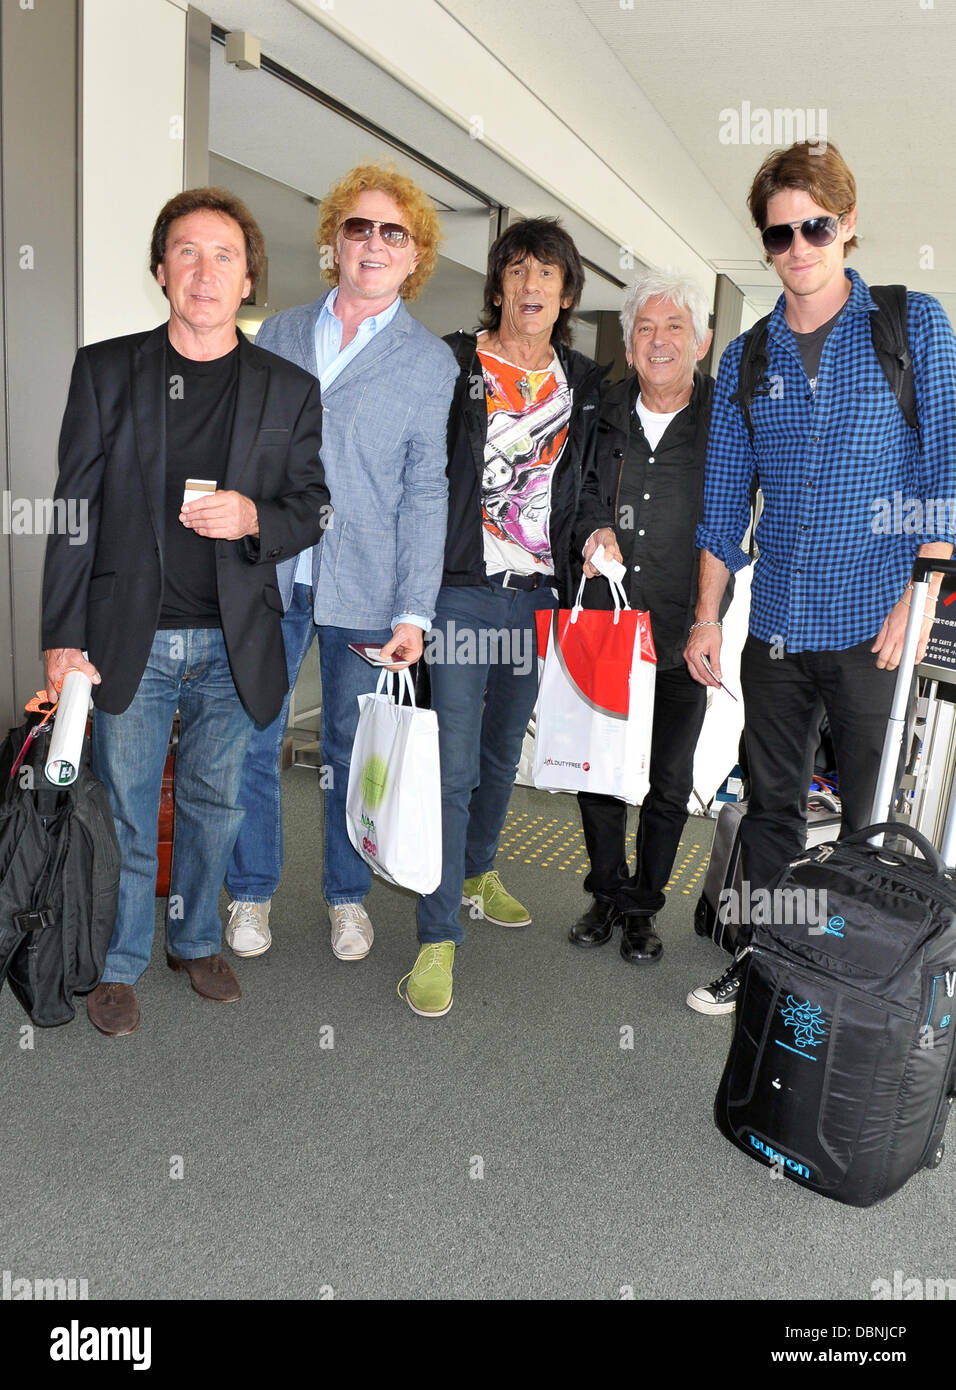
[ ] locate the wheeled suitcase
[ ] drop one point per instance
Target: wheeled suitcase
(842, 1067)
(167, 815)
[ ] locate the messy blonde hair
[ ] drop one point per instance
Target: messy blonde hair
(418, 214)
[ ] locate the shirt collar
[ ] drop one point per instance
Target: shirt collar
(368, 326)
(860, 301)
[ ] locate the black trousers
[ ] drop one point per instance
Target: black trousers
(780, 699)
(679, 707)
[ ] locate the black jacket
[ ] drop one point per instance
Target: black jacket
(652, 499)
(467, 434)
(105, 594)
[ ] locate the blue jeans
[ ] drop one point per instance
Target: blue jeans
(482, 655)
(253, 874)
(187, 668)
(256, 863)
(346, 877)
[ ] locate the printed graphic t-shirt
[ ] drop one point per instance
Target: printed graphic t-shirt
(528, 415)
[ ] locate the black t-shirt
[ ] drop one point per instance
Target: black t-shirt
(811, 347)
(200, 408)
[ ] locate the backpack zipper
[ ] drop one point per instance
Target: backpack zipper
(899, 1010)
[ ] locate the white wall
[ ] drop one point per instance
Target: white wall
(133, 56)
(749, 315)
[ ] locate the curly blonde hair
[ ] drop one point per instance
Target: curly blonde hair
(418, 212)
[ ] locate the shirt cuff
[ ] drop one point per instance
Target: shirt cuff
(415, 618)
(726, 551)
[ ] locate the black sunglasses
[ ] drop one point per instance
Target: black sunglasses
(361, 229)
(816, 231)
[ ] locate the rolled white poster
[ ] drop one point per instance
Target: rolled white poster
(69, 729)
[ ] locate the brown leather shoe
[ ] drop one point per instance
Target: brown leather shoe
(112, 1008)
(210, 976)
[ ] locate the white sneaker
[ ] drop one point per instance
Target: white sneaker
(247, 931)
(352, 933)
(719, 997)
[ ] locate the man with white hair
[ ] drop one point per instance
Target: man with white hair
(642, 501)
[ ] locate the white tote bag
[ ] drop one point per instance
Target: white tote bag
(595, 708)
(393, 806)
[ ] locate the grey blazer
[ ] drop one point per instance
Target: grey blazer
(384, 449)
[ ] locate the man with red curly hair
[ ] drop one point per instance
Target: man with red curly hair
(386, 387)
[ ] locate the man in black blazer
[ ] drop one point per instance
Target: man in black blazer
(172, 594)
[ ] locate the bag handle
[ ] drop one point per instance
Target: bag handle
(617, 594)
(396, 690)
(927, 849)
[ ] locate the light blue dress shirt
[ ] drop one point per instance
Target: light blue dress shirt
(331, 359)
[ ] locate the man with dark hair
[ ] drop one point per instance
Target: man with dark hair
(546, 240)
(218, 200)
(520, 434)
(830, 593)
(197, 456)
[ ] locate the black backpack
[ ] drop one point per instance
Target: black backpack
(854, 978)
(59, 879)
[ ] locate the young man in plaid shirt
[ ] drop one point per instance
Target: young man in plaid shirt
(830, 443)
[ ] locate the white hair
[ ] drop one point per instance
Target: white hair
(683, 293)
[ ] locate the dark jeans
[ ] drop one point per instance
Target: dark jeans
(482, 658)
(780, 697)
(679, 707)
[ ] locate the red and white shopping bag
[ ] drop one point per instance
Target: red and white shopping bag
(595, 706)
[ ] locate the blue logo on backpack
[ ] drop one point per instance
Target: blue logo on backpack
(808, 1024)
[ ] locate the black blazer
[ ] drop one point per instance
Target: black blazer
(104, 595)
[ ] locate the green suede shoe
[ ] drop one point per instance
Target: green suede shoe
(429, 990)
(490, 900)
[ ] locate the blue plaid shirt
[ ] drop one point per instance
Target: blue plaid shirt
(844, 479)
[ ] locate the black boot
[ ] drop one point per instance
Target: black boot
(639, 941)
(597, 925)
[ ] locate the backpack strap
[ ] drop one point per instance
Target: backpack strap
(754, 362)
(891, 345)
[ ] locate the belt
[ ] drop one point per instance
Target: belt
(508, 579)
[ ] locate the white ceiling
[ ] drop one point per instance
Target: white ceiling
(644, 88)
(880, 70)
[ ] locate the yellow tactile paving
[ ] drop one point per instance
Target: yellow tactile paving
(551, 842)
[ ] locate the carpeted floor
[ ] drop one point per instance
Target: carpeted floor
(319, 1139)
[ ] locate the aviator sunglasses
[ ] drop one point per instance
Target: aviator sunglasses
(816, 231)
(361, 229)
